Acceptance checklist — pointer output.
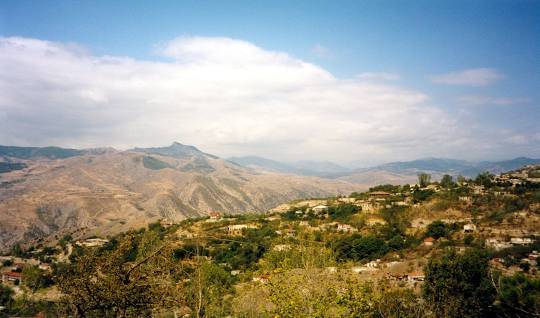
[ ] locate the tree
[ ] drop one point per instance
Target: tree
(206, 290)
(318, 293)
(424, 179)
(134, 277)
(437, 229)
(518, 296)
(484, 179)
(447, 181)
(5, 295)
(359, 247)
(36, 278)
(458, 285)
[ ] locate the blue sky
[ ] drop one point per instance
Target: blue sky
(477, 62)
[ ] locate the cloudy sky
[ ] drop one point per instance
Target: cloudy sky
(363, 82)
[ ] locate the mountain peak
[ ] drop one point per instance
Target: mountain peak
(177, 150)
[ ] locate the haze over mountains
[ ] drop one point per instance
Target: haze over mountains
(394, 172)
(45, 192)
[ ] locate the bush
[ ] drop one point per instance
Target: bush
(458, 285)
(357, 247)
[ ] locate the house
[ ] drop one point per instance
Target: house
(366, 206)
(331, 269)
(11, 277)
(281, 247)
(273, 218)
(45, 267)
(320, 209)
(263, 279)
(373, 264)
(429, 241)
(235, 272)
(238, 229)
(375, 221)
(521, 241)
(347, 200)
(93, 242)
(214, 216)
(496, 244)
(379, 194)
(466, 199)
(478, 189)
(469, 228)
(346, 228)
(400, 203)
(166, 223)
(416, 277)
(361, 269)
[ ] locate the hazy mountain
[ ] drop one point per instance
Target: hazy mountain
(39, 152)
(399, 172)
(304, 167)
(113, 191)
(176, 150)
(407, 171)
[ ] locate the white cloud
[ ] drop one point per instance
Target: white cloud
(476, 100)
(226, 96)
(470, 77)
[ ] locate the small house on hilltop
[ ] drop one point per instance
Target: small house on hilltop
(469, 228)
(346, 228)
(366, 206)
(237, 229)
(320, 209)
(214, 215)
(11, 277)
(379, 194)
(429, 241)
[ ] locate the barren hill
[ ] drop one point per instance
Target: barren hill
(107, 192)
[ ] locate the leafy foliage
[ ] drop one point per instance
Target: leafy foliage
(357, 247)
(458, 285)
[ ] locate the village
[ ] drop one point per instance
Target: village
(388, 233)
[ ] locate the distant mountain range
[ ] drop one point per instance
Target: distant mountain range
(51, 191)
(304, 168)
(394, 172)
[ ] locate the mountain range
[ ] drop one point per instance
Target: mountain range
(51, 191)
(400, 172)
(54, 191)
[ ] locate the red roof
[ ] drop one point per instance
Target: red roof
(13, 274)
(429, 239)
(214, 214)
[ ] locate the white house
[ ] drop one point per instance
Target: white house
(320, 208)
(469, 228)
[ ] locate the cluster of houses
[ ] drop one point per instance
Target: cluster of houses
(500, 244)
(13, 272)
(93, 242)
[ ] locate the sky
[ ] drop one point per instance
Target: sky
(354, 82)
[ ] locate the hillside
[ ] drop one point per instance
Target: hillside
(394, 252)
(114, 191)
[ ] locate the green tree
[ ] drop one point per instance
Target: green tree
(458, 285)
(518, 296)
(129, 279)
(484, 179)
(447, 181)
(437, 229)
(424, 179)
(5, 296)
(357, 247)
(36, 278)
